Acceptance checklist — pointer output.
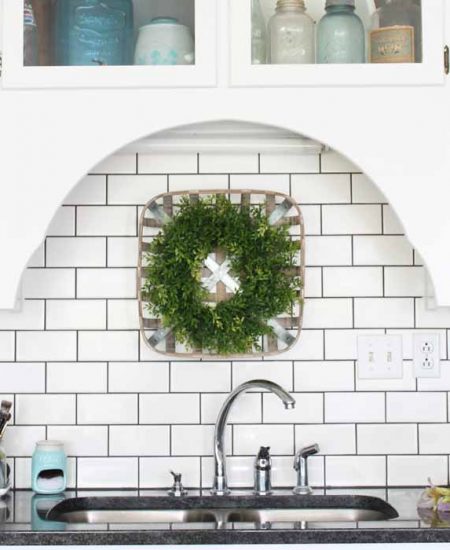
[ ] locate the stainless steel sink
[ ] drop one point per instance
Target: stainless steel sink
(221, 510)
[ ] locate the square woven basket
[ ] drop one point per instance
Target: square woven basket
(281, 209)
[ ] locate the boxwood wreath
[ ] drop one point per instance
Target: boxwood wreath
(261, 256)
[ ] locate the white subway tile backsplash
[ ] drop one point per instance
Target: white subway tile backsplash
(381, 250)
(187, 182)
(81, 440)
(333, 161)
(434, 439)
(263, 182)
(333, 439)
(108, 472)
(135, 189)
(391, 222)
(273, 163)
(384, 312)
(122, 251)
(47, 346)
(106, 220)
(324, 376)
(29, 317)
(313, 282)
(325, 251)
(7, 343)
(309, 347)
(106, 283)
(123, 315)
(352, 219)
(316, 189)
(154, 472)
(431, 318)
(343, 344)
(76, 315)
(355, 471)
(243, 163)
(354, 407)
(22, 377)
(247, 439)
(201, 377)
(90, 190)
(308, 409)
(76, 377)
(436, 384)
(138, 377)
(279, 372)
(329, 313)
(20, 440)
(63, 223)
(312, 219)
(45, 409)
(195, 440)
(404, 281)
(246, 410)
(176, 163)
(49, 283)
(107, 409)
(352, 281)
(139, 440)
(169, 409)
(120, 163)
(416, 407)
(387, 439)
(365, 191)
(416, 470)
(76, 252)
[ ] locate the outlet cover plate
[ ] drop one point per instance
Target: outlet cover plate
(427, 355)
(380, 357)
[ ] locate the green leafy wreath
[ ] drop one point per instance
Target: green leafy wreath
(261, 257)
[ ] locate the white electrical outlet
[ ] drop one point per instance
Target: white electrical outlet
(380, 357)
(426, 353)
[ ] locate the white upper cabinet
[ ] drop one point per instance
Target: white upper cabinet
(428, 72)
(58, 69)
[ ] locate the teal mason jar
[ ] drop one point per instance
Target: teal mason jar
(94, 32)
(341, 34)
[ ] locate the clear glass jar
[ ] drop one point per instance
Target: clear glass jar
(291, 34)
(341, 34)
(259, 34)
(396, 32)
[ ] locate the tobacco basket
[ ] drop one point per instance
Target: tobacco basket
(281, 209)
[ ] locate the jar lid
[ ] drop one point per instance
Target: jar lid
(164, 21)
(50, 445)
(291, 4)
(330, 3)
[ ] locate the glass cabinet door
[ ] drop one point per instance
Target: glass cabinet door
(109, 43)
(337, 42)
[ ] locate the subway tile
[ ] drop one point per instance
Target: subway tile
(317, 189)
(263, 182)
(273, 163)
(406, 383)
(30, 316)
(407, 338)
(188, 182)
(49, 283)
(365, 191)
(63, 222)
(201, 377)
(309, 347)
(384, 312)
(352, 281)
(7, 340)
(352, 219)
(122, 251)
(354, 407)
(328, 313)
(436, 384)
(416, 407)
(431, 318)
(404, 281)
(391, 223)
(106, 283)
(324, 376)
(46, 346)
(22, 378)
(169, 409)
(246, 410)
(108, 346)
(21, 440)
(107, 409)
(416, 470)
(76, 377)
(76, 252)
(90, 190)
(313, 282)
(45, 409)
(324, 251)
(76, 315)
(247, 439)
(119, 163)
(81, 440)
(381, 250)
(335, 439)
(138, 377)
(279, 372)
(308, 409)
(123, 315)
(332, 161)
(355, 471)
(195, 440)
(154, 472)
(135, 189)
(312, 219)
(139, 440)
(434, 439)
(163, 163)
(216, 163)
(107, 473)
(343, 344)
(387, 439)
(106, 220)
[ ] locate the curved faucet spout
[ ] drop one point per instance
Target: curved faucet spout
(220, 486)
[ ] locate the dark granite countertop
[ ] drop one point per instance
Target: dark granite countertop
(22, 523)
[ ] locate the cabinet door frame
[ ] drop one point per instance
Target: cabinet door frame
(430, 72)
(202, 74)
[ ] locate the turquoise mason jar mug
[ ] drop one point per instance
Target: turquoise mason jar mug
(94, 32)
(49, 468)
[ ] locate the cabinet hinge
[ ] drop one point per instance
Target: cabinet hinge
(446, 59)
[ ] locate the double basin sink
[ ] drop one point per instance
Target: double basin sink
(221, 510)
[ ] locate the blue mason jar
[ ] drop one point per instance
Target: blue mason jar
(341, 37)
(94, 32)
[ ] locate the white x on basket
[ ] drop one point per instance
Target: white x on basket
(220, 274)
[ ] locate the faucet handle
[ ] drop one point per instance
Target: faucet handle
(177, 489)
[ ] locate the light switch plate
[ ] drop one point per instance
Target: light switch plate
(380, 357)
(427, 355)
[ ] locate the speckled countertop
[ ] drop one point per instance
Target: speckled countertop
(22, 524)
